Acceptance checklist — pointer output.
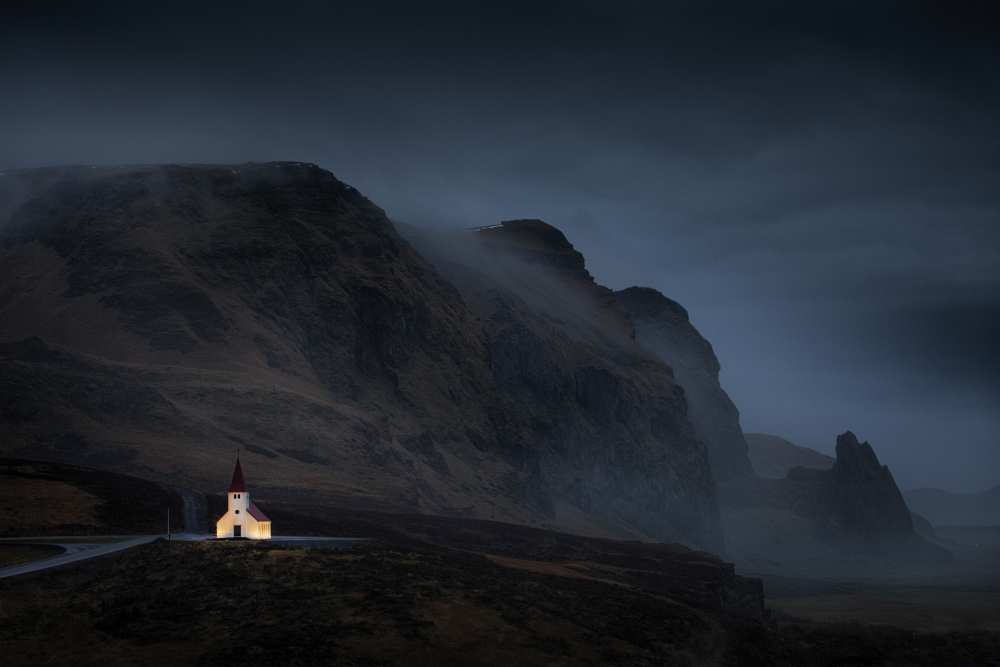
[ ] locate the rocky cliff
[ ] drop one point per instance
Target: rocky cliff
(558, 339)
(154, 319)
(663, 326)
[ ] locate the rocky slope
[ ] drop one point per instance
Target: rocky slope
(772, 456)
(663, 326)
(153, 319)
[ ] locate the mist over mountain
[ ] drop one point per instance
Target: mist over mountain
(663, 325)
(815, 183)
(543, 332)
(157, 318)
(154, 319)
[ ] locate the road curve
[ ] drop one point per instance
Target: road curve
(74, 552)
(78, 551)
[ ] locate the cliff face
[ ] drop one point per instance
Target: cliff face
(558, 343)
(153, 319)
(663, 326)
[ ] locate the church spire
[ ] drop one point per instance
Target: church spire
(237, 485)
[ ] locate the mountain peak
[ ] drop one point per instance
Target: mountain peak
(857, 460)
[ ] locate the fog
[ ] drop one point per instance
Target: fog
(819, 188)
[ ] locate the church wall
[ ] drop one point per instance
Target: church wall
(252, 528)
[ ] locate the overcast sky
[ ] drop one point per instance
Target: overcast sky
(819, 187)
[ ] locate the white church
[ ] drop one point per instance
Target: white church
(243, 518)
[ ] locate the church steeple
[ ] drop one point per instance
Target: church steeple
(237, 485)
(242, 519)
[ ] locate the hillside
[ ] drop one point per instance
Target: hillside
(155, 319)
(39, 498)
(773, 457)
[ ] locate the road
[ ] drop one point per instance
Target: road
(76, 550)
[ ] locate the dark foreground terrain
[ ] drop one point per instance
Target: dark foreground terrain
(218, 603)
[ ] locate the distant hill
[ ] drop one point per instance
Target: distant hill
(772, 456)
(944, 508)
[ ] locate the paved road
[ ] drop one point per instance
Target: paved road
(75, 551)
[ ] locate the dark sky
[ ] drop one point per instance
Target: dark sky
(819, 185)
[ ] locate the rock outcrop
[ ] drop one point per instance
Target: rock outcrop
(663, 326)
(862, 497)
(852, 515)
(152, 319)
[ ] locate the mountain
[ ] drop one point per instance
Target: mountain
(542, 309)
(663, 326)
(851, 517)
(155, 319)
(773, 456)
(944, 508)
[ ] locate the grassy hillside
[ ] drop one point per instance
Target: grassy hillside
(38, 498)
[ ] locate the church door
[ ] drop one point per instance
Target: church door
(237, 531)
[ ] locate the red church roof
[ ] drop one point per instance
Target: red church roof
(237, 485)
(256, 513)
